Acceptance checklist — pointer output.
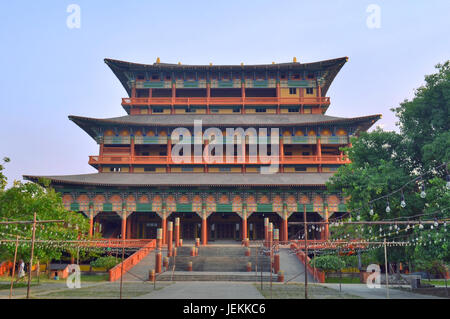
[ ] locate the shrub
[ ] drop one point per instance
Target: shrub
(105, 262)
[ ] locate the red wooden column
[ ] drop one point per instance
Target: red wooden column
(177, 232)
(159, 238)
(319, 153)
(266, 231)
(204, 228)
(244, 224)
(327, 229)
(164, 227)
(270, 235)
(91, 222)
(158, 259)
(124, 224)
(208, 97)
(169, 238)
(129, 223)
(285, 225)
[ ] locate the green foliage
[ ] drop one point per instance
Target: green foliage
(19, 203)
(328, 263)
(382, 162)
(3, 178)
(107, 262)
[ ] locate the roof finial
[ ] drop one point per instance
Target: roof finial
(210, 63)
(273, 62)
(179, 63)
(294, 60)
(158, 60)
(242, 63)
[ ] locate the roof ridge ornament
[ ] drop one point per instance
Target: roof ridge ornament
(294, 59)
(158, 60)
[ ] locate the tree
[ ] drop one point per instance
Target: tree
(20, 202)
(3, 178)
(383, 162)
(328, 263)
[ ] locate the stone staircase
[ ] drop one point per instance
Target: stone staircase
(220, 259)
(213, 263)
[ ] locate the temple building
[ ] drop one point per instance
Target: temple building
(140, 186)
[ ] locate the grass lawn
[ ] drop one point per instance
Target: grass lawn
(297, 291)
(343, 280)
(437, 282)
(5, 280)
(107, 290)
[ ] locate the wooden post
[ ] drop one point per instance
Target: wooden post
(266, 231)
(276, 263)
(276, 238)
(158, 261)
(177, 232)
(164, 229)
(169, 239)
(285, 228)
(124, 224)
(387, 269)
(244, 225)
(91, 222)
(270, 235)
(159, 238)
(31, 255)
(327, 229)
(204, 229)
(306, 250)
(14, 268)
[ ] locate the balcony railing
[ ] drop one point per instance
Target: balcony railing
(201, 160)
(145, 101)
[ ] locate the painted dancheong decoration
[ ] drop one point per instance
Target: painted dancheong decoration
(139, 187)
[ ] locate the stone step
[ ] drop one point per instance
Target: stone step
(214, 276)
(226, 264)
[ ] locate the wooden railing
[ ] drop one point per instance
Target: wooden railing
(116, 272)
(318, 275)
(200, 160)
(223, 100)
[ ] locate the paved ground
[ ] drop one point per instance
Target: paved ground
(206, 290)
(294, 270)
(363, 291)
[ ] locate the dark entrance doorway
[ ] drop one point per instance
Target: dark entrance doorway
(255, 224)
(190, 224)
(110, 224)
(144, 225)
(224, 226)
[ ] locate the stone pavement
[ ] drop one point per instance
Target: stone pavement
(363, 291)
(294, 270)
(206, 290)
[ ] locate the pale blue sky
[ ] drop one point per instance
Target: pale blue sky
(50, 71)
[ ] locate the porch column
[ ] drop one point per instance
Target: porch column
(177, 232)
(164, 227)
(128, 233)
(284, 228)
(244, 224)
(270, 235)
(204, 228)
(169, 239)
(327, 230)
(124, 224)
(91, 222)
(159, 233)
(266, 231)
